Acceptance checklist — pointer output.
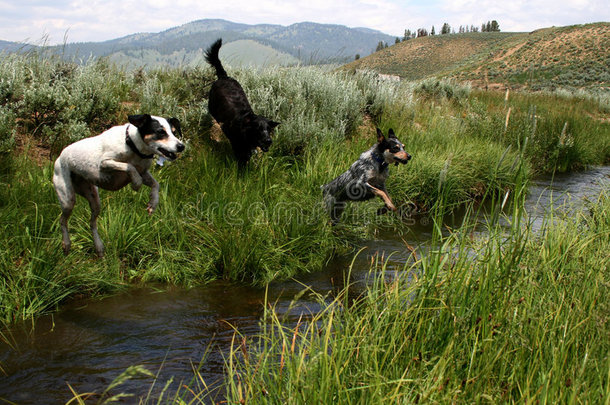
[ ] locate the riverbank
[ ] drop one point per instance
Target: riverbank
(511, 316)
(170, 331)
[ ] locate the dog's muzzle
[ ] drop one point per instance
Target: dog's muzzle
(169, 154)
(265, 145)
(398, 160)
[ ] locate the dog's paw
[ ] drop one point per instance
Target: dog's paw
(150, 208)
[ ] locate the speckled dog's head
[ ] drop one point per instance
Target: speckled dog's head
(392, 150)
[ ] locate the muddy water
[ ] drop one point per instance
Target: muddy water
(89, 343)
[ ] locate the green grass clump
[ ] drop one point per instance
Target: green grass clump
(561, 131)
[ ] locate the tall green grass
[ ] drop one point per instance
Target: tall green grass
(511, 317)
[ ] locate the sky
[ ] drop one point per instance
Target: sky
(57, 21)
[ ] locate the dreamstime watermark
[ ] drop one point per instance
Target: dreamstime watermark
(299, 213)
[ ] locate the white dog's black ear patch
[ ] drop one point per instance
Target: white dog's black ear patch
(175, 124)
(139, 120)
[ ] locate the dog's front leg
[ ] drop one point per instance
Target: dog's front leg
(136, 179)
(150, 181)
(384, 196)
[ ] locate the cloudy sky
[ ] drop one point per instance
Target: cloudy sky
(57, 21)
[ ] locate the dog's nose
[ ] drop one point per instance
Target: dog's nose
(180, 147)
(408, 157)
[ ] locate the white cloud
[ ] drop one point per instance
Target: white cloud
(96, 20)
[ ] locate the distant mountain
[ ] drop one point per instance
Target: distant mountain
(306, 43)
(575, 56)
(6, 46)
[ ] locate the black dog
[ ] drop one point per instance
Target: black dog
(366, 177)
(229, 106)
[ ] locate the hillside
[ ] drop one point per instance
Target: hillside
(307, 43)
(574, 57)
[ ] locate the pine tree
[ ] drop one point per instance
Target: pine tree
(446, 29)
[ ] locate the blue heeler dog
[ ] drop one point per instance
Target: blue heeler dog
(366, 178)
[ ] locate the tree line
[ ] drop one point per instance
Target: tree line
(489, 26)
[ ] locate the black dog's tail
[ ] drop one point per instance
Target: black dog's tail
(211, 55)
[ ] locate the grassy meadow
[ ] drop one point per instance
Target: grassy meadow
(267, 222)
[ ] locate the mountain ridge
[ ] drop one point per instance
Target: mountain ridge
(303, 42)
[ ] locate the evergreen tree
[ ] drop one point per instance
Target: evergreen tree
(397, 40)
(494, 26)
(446, 29)
(432, 31)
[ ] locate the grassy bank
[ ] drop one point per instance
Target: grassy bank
(513, 317)
(267, 222)
(510, 316)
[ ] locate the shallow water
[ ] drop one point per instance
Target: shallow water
(89, 343)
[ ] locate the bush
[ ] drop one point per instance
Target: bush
(311, 107)
(442, 89)
(7, 130)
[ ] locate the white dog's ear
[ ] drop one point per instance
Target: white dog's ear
(175, 126)
(139, 120)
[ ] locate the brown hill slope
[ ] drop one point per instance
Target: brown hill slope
(572, 57)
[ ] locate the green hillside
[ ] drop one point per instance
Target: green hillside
(574, 57)
(245, 52)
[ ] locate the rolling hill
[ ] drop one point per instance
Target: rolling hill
(573, 57)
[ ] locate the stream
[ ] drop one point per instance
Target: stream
(169, 331)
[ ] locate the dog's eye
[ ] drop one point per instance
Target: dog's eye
(394, 149)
